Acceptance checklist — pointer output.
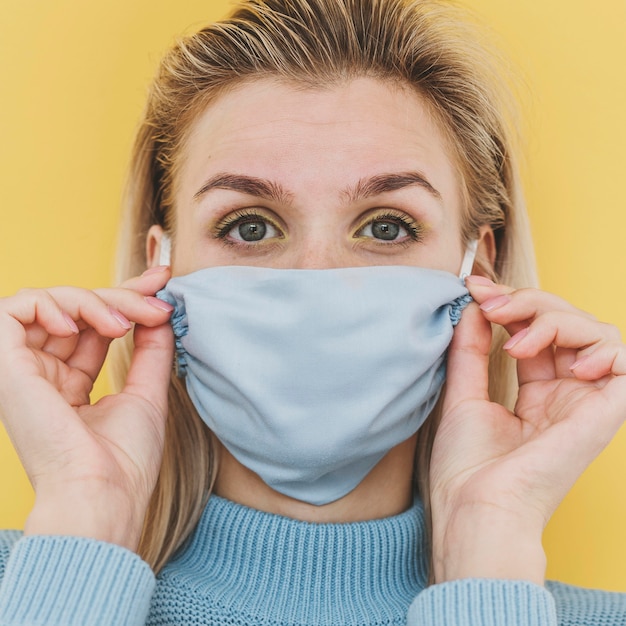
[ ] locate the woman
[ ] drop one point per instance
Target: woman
(366, 143)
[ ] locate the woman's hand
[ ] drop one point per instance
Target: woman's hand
(93, 467)
(496, 475)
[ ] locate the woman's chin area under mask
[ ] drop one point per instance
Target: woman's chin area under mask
(386, 490)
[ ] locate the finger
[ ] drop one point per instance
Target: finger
(151, 365)
(543, 366)
(525, 304)
(89, 353)
(31, 307)
(37, 414)
(604, 359)
(468, 359)
(515, 310)
(85, 351)
(59, 347)
(47, 318)
(58, 308)
(52, 319)
(108, 310)
(146, 310)
(150, 281)
(564, 358)
(560, 329)
(61, 308)
(515, 304)
(37, 336)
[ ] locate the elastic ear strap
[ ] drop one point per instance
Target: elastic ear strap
(468, 259)
(165, 251)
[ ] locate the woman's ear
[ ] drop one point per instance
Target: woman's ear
(154, 241)
(485, 253)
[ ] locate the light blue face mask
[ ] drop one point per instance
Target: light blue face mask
(309, 377)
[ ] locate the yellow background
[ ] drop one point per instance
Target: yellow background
(72, 80)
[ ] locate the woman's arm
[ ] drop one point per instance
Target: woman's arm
(73, 581)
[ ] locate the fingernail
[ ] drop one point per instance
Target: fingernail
(479, 280)
(159, 304)
(70, 322)
(121, 319)
(155, 270)
(495, 303)
(576, 363)
(515, 339)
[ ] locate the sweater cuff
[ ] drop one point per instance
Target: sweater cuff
(73, 580)
(482, 602)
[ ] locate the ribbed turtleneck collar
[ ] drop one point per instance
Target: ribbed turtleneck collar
(270, 569)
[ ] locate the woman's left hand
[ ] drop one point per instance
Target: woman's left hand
(498, 475)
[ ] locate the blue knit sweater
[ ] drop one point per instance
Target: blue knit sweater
(243, 566)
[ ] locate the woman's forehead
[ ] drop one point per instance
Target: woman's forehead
(361, 127)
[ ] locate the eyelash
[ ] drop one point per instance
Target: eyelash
(226, 224)
(414, 229)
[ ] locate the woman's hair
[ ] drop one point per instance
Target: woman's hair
(425, 45)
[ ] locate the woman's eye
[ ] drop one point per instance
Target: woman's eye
(387, 230)
(253, 230)
(384, 230)
(245, 227)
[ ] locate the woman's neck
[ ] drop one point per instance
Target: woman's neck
(387, 490)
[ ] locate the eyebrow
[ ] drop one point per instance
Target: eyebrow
(250, 185)
(383, 183)
(269, 190)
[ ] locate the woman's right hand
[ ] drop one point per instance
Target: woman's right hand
(93, 466)
(497, 475)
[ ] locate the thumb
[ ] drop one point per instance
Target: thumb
(151, 365)
(468, 359)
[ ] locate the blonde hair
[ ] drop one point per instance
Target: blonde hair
(424, 44)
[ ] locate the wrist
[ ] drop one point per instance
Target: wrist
(486, 542)
(91, 513)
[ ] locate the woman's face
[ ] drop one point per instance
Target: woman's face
(352, 175)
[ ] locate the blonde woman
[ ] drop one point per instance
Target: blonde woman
(311, 185)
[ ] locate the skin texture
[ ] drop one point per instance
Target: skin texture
(496, 475)
(282, 134)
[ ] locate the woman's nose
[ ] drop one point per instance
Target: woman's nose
(320, 255)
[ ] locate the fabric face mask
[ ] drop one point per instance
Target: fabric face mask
(309, 377)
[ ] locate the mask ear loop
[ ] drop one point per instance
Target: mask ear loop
(468, 259)
(165, 250)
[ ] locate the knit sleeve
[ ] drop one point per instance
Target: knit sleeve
(576, 606)
(71, 581)
(482, 602)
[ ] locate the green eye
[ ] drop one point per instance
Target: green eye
(252, 231)
(390, 228)
(246, 227)
(385, 230)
